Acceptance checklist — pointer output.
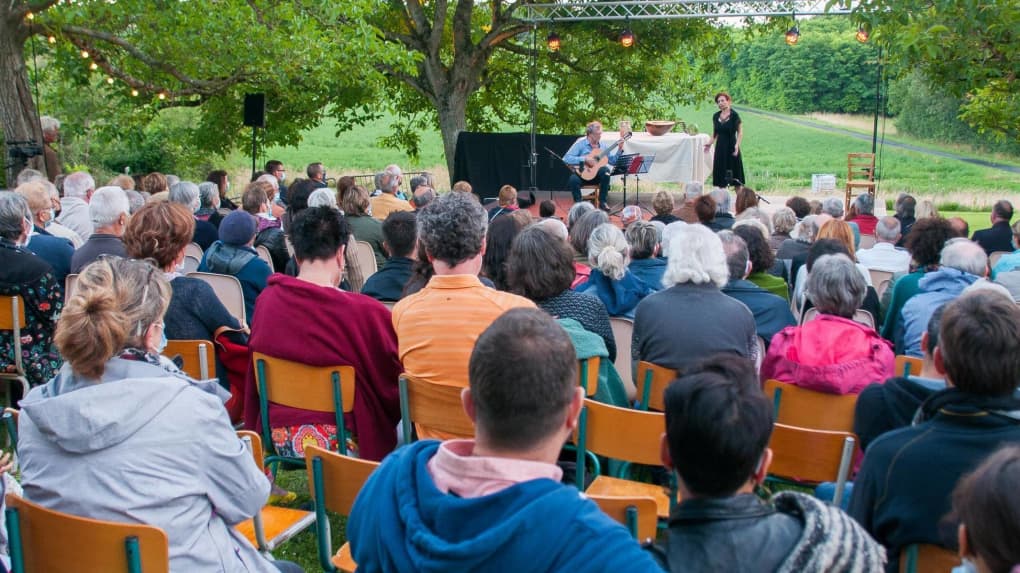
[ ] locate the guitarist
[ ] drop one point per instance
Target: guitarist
(587, 152)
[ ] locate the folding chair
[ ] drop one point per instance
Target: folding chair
(623, 332)
(43, 540)
(622, 434)
(878, 277)
(196, 354)
(272, 525)
(924, 558)
(190, 264)
(588, 374)
(804, 456)
(637, 513)
(12, 317)
(434, 406)
(908, 366)
(652, 383)
(263, 253)
(194, 250)
(860, 316)
(995, 256)
(867, 242)
(228, 290)
(335, 481)
(795, 406)
(316, 388)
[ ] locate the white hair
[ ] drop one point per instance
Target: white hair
(27, 175)
(722, 200)
(107, 205)
(696, 256)
(78, 185)
(806, 230)
(888, 229)
(172, 180)
(833, 206)
(578, 211)
(185, 193)
(964, 255)
(693, 189)
(752, 221)
(554, 227)
(608, 251)
(270, 179)
(135, 199)
(208, 193)
(49, 124)
(667, 235)
(322, 198)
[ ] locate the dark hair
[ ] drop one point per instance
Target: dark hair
(401, 233)
(824, 247)
(723, 94)
(297, 195)
(800, 206)
(497, 249)
(314, 169)
(1003, 209)
(926, 239)
(343, 184)
(317, 233)
(520, 406)
(979, 335)
(988, 503)
(540, 266)
(758, 249)
(934, 324)
(746, 198)
(421, 272)
(718, 424)
(582, 229)
(546, 209)
(272, 165)
(254, 197)
(704, 207)
(905, 207)
(219, 177)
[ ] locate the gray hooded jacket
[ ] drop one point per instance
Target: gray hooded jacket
(145, 444)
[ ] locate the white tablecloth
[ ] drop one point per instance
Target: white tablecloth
(679, 157)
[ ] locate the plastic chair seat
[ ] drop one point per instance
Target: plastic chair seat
(610, 486)
(343, 560)
(278, 523)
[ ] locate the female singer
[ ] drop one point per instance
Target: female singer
(727, 133)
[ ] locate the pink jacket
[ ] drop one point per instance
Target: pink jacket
(829, 354)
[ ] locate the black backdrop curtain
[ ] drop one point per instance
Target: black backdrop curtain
(490, 160)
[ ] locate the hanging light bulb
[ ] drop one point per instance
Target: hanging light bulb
(29, 16)
(553, 41)
(861, 35)
(84, 53)
(627, 38)
(109, 80)
(162, 95)
(52, 39)
(93, 66)
(134, 93)
(793, 35)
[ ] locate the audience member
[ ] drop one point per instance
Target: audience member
(800, 206)
(819, 249)
(54, 250)
(961, 263)
(839, 231)
(762, 261)
(771, 312)
(74, 206)
(692, 318)
(387, 201)
(547, 209)
(926, 209)
(578, 210)
(234, 255)
(495, 501)
(704, 208)
(400, 235)
(255, 201)
(364, 224)
(186, 193)
(209, 204)
(795, 249)
(27, 175)
(52, 226)
(157, 445)
(961, 226)
(986, 503)
(645, 246)
(885, 255)
(723, 218)
(746, 199)
(307, 319)
(905, 207)
(862, 213)
(297, 201)
(156, 185)
(109, 211)
(323, 198)
(903, 489)
(30, 277)
(1010, 261)
(610, 280)
(135, 200)
(422, 196)
(498, 239)
(43, 207)
(662, 204)
(316, 173)
(630, 214)
(221, 181)
(757, 215)
(686, 212)
(276, 169)
(815, 207)
(580, 232)
(506, 202)
(718, 425)
(783, 222)
(461, 187)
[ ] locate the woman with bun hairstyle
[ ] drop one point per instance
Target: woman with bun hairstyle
(611, 281)
(157, 447)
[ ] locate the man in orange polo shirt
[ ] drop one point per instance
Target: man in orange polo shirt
(437, 327)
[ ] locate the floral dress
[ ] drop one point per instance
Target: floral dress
(25, 275)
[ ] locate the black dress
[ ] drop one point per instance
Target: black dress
(724, 165)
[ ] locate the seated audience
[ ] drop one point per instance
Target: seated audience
(323, 198)
(862, 213)
(1000, 236)
(686, 212)
(221, 180)
(400, 236)
(54, 250)
(692, 317)
(495, 502)
(840, 231)
(135, 200)
(926, 209)
(234, 255)
(209, 204)
(831, 353)
(547, 209)
(905, 207)
(756, 214)
(507, 202)
(364, 225)
(186, 193)
(540, 268)
(718, 425)
(387, 201)
(961, 226)
(74, 205)
(577, 210)
(645, 246)
(25, 274)
(885, 255)
(255, 201)
(156, 445)
(1010, 261)
(43, 201)
(833, 207)
(771, 312)
(307, 319)
(783, 222)
(746, 199)
(297, 201)
(961, 263)
(762, 260)
(986, 503)
(704, 208)
(154, 185)
(109, 211)
(662, 204)
(578, 236)
(498, 239)
(796, 248)
(903, 490)
(51, 225)
(823, 247)
(800, 206)
(610, 280)
(723, 218)
(160, 231)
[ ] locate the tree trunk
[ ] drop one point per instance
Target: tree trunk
(452, 108)
(18, 114)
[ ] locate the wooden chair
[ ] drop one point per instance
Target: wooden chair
(878, 277)
(804, 456)
(196, 354)
(592, 195)
(263, 253)
(860, 174)
(316, 388)
(908, 365)
(860, 315)
(47, 541)
(637, 513)
(194, 250)
(622, 434)
(273, 525)
(623, 332)
(334, 481)
(994, 257)
(228, 290)
(70, 282)
(588, 374)
(795, 406)
(925, 558)
(12, 317)
(652, 382)
(433, 406)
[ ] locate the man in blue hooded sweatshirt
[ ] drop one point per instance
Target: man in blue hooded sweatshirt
(495, 503)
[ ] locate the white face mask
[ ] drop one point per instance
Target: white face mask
(31, 232)
(53, 216)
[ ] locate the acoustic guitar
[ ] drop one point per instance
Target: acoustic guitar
(601, 158)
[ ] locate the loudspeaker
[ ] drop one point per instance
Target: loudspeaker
(255, 110)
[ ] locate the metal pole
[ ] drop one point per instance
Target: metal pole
(878, 100)
(533, 160)
(253, 128)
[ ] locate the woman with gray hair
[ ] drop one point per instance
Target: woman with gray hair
(783, 222)
(578, 235)
(610, 280)
(209, 203)
(646, 264)
(831, 353)
(862, 212)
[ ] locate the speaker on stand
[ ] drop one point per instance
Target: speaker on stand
(254, 117)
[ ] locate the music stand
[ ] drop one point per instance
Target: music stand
(624, 163)
(637, 169)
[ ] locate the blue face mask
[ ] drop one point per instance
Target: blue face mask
(162, 341)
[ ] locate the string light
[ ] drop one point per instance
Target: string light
(84, 53)
(162, 95)
(93, 66)
(793, 35)
(553, 41)
(52, 39)
(109, 80)
(29, 16)
(861, 35)
(134, 93)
